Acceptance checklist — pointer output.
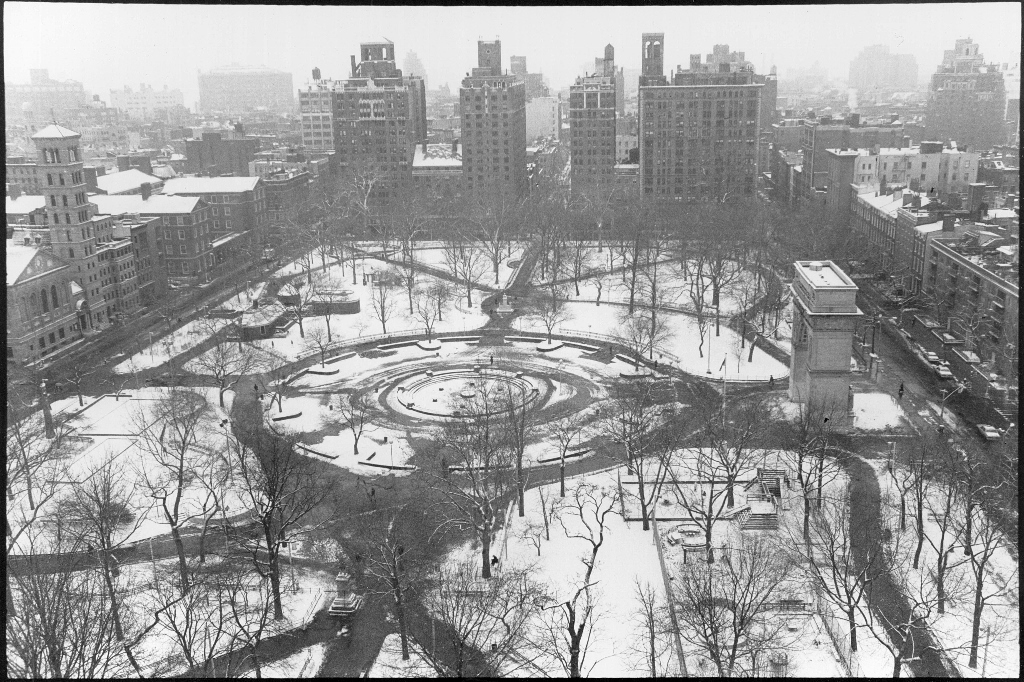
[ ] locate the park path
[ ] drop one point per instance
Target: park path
(866, 532)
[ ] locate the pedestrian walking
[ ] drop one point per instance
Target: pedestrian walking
(494, 560)
(492, 359)
(255, 388)
(771, 381)
(900, 392)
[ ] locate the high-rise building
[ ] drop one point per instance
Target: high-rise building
(240, 89)
(146, 102)
(535, 86)
(699, 135)
(493, 109)
(101, 262)
(967, 99)
(592, 112)
(372, 120)
(875, 68)
(543, 117)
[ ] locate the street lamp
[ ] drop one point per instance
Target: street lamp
(942, 405)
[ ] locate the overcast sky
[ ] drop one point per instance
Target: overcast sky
(108, 45)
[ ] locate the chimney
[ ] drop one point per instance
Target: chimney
(147, 189)
(123, 162)
(907, 199)
(948, 222)
(893, 118)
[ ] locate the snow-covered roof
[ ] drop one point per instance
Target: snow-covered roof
(25, 204)
(54, 131)
(437, 155)
(164, 172)
(18, 258)
(225, 185)
(930, 227)
(125, 181)
(156, 204)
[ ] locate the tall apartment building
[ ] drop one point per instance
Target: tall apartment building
(967, 99)
(535, 86)
(144, 104)
(493, 127)
(699, 136)
(875, 68)
(101, 261)
(240, 89)
(607, 63)
(592, 112)
(372, 120)
(43, 98)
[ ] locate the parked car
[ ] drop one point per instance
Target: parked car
(943, 372)
(931, 357)
(989, 432)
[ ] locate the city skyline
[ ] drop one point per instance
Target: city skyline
(535, 32)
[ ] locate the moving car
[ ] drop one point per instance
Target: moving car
(931, 357)
(989, 432)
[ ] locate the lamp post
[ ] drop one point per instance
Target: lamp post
(942, 405)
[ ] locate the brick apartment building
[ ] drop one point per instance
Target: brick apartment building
(493, 109)
(967, 99)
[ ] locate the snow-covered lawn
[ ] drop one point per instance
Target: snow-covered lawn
(303, 663)
(877, 412)
(613, 650)
(110, 429)
(683, 340)
(162, 349)
(389, 661)
(1001, 615)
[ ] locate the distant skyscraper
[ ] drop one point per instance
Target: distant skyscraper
(875, 68)
(967, 99)
(43, 98)
(238, 89)
(412, 66)
(493, 127)
(652, 59)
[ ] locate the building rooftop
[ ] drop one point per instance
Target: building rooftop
(54, 132)
(437, 155)
(824, 274)
(221, 185)
(125, 181)
(992, 255)
(929, 227)
(159, 204)
(25, 204)
(18, 258)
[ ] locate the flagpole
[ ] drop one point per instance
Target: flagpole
(725, 370)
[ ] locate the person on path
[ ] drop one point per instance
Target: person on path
(900, 392)
(492, 359)
(771, 381)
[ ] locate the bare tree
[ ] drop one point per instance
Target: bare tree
(101, 509)
(486, 621)
(550, 510)
(473, 440)
(570, 633)
(946, 509)
(988, 587)
(567, 431)
(642, 334)
(61, 625)
(727, 609)
(518, 428)
(465, 263)
(171, 454)
(319, 340)
(77, 375)
(427, 311)
(440, 292)
(286, 493)
(649, 618)
(384, 304)
(356, 411)
(549, 313)
(829, 561)
(394, 549)
(226, 362)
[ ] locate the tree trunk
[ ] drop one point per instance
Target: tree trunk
(561, 478)
(920, 531)
(220, 394)
(302, 332)
(643, 498)
(327, 320)
(520, 485)
(485, 544)
(850, 615)
(403, 629)
(179, 545)
(979, 604)
(753, 342)
(115, 609)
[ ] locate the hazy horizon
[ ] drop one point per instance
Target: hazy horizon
(168, 44)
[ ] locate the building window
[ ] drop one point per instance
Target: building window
(182, 249)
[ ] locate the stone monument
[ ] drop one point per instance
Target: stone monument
(825, 314)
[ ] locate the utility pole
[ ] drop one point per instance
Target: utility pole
(988, 638)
